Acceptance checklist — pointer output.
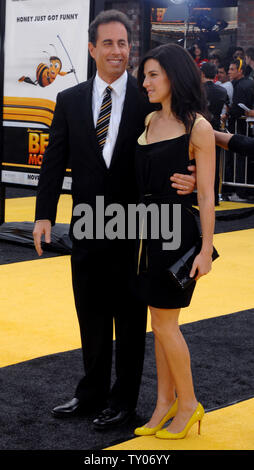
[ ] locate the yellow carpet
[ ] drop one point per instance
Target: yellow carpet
(37, 310)
(37, 298)
(22, 209)
(229, 428)
(37, 295)
(38, 318)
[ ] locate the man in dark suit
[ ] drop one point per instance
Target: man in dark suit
(216, 95)
(217, 98)
(243, 93)
(101, 267)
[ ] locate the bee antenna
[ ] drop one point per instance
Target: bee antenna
(54, 48)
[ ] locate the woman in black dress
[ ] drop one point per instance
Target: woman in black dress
(175, 134)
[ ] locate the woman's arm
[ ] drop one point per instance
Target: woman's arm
(202, 148)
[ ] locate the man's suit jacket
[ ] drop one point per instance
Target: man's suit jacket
(242, 145)
(73, 139)
(217, 96)
(243, 93)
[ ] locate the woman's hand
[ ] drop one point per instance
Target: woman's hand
(202, 264)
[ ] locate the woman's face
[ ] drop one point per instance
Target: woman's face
(197, 50)
(156, 82)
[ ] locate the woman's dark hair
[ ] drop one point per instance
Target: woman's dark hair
(108, 16)
(202, 47)
(187, 93)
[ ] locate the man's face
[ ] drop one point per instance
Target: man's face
(214, 61)
(111, 52)
(222, 75)
(238, 53)
(233, 73)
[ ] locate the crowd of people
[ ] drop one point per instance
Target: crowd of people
(229, 82)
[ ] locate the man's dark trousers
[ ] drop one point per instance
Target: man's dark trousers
(100, 268)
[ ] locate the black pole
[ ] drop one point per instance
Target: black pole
(2, 31)
(145, 26)
(95, 7)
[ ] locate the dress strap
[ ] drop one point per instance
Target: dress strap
(195, 122)
(200, 118)
(148, 118)
(142, 138)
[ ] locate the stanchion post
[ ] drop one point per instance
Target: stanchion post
(2, 204)
(2, 31)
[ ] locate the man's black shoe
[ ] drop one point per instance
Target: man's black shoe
(110, 418)
(69, 409)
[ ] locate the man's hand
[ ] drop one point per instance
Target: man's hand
(185, 184)
(42, 227)
(249, 113)
(222, 139)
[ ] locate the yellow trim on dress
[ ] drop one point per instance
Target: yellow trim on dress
(142, 138)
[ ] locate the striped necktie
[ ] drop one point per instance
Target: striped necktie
(104, 117)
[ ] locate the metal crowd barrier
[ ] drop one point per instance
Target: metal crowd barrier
(238, 160)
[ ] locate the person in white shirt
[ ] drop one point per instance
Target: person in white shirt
(223, 80)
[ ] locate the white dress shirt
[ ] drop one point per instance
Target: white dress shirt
(229, 87)
(118, 96)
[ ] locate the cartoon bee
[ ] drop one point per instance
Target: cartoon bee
(45, 75)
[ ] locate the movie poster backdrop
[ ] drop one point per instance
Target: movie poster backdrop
(45, 52)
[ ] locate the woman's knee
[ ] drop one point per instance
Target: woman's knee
(164, 322)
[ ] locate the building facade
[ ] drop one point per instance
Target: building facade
(160, 21)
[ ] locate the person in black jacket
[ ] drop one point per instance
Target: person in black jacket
(101, 265)
(243, 146)
(249, 60)
(243, 93)
(217, 97)
(240, 144)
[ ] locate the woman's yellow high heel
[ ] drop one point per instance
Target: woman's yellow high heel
(196, 417)
(145, 431)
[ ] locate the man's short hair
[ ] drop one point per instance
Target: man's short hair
(250, 52)
(224, 66)
(209, 70)
(105, 17)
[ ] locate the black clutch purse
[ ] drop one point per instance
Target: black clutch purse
(179, 272)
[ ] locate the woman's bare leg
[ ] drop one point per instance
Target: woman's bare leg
(167, 332)
(165, 387)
